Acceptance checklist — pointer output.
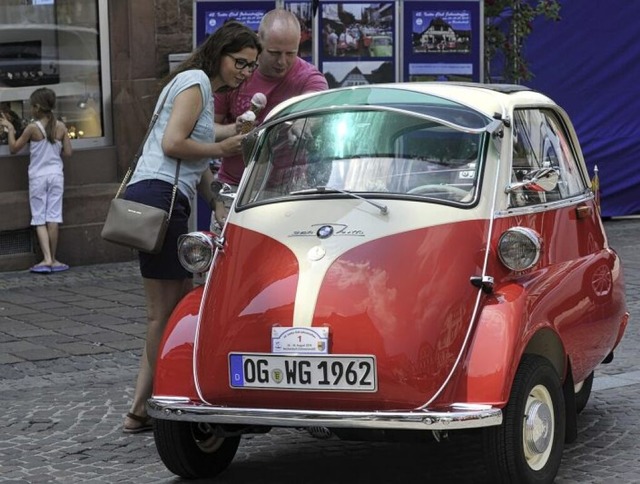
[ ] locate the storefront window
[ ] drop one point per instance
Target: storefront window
(59, 44)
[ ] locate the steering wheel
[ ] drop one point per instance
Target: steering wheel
(452, 192)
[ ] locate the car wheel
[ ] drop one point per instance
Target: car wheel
(583, 392)
(191, 450)
(527, 447)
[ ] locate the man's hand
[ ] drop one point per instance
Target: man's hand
(299, 132)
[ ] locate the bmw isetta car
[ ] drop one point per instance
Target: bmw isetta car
(421, 257)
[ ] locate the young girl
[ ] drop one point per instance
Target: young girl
(48, 141)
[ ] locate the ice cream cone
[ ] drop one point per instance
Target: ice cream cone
(247, 121)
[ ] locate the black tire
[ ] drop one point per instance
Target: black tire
(535, 414)
(191, 450)
(582, 395)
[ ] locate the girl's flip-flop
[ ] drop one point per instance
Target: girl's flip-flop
(41, 269)
(59, 268)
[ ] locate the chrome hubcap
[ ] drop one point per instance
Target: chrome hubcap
(538, 427)
(205, 439)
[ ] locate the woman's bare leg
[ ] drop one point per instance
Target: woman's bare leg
(161, 298)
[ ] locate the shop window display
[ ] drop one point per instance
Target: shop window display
(52, 43)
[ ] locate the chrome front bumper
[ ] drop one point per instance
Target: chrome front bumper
(460, 416)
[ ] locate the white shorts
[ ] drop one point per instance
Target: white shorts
(45, 198)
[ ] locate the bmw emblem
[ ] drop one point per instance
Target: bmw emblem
(325, 232)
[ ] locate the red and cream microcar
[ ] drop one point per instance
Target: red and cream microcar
(423, 257)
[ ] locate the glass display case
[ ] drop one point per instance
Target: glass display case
(54, 44)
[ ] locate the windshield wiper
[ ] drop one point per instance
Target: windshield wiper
(321, 189)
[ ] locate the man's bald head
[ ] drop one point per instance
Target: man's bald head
(279, 34)
(278, 20)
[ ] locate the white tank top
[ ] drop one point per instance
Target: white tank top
(45, 156)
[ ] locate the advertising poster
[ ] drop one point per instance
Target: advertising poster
(210, 15)
(357, 43)
(442, 41)
(304, 12)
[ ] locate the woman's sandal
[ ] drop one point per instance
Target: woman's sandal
(145, 423)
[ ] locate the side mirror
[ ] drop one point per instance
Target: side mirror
(248, 145)
(539, 180)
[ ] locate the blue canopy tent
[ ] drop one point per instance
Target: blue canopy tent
(589, 63)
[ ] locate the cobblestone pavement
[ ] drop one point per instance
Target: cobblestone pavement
(69, 347)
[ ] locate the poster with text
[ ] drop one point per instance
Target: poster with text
(442, 41)
(210, 15)
(357, 42)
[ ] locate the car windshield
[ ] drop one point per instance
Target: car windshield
(374, 151)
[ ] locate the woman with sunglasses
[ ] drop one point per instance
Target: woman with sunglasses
(184, 130)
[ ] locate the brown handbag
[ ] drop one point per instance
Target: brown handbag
(134, 224)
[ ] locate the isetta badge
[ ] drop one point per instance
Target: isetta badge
(300, 340)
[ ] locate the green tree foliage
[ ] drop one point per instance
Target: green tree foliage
(507, 25)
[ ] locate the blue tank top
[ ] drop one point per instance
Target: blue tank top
(153, 163)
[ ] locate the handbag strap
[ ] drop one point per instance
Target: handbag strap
(134, 162)
(174, 191)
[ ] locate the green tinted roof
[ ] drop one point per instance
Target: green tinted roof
(391, 97)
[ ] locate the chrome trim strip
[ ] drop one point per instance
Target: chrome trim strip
(278, 118)
(459, 416)
(544, 207)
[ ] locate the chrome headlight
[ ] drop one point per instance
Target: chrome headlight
(519, 248)
(195, 251)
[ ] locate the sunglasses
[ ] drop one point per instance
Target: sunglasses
(244, 64)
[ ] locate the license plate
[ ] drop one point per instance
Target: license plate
(337, 373)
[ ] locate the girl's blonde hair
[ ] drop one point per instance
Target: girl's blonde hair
(43, 100)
